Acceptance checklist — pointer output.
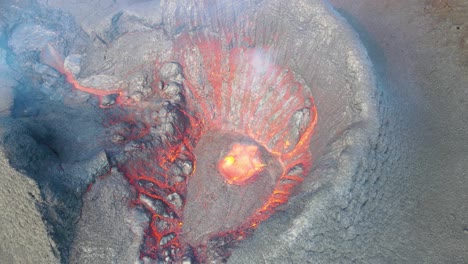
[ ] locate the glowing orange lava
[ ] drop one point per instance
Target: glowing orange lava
(232, 89)
(241, 164)
(241, 90)
(54, 59)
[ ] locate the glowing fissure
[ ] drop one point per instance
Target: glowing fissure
(236, 93)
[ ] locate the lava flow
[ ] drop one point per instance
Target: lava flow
(258, 120)
(53, 58)
(214, 153)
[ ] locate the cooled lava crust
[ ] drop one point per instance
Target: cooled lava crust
(220, 140)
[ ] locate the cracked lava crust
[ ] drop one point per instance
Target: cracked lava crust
(217, 143)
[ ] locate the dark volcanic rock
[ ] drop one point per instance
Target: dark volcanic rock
(109, 230)
(23, 235)
(81, 174)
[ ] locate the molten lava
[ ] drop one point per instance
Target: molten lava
(54, 59)
(241, 164)
(241, 95)
(213, 167)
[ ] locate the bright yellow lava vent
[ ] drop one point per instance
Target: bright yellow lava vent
(241, 163)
